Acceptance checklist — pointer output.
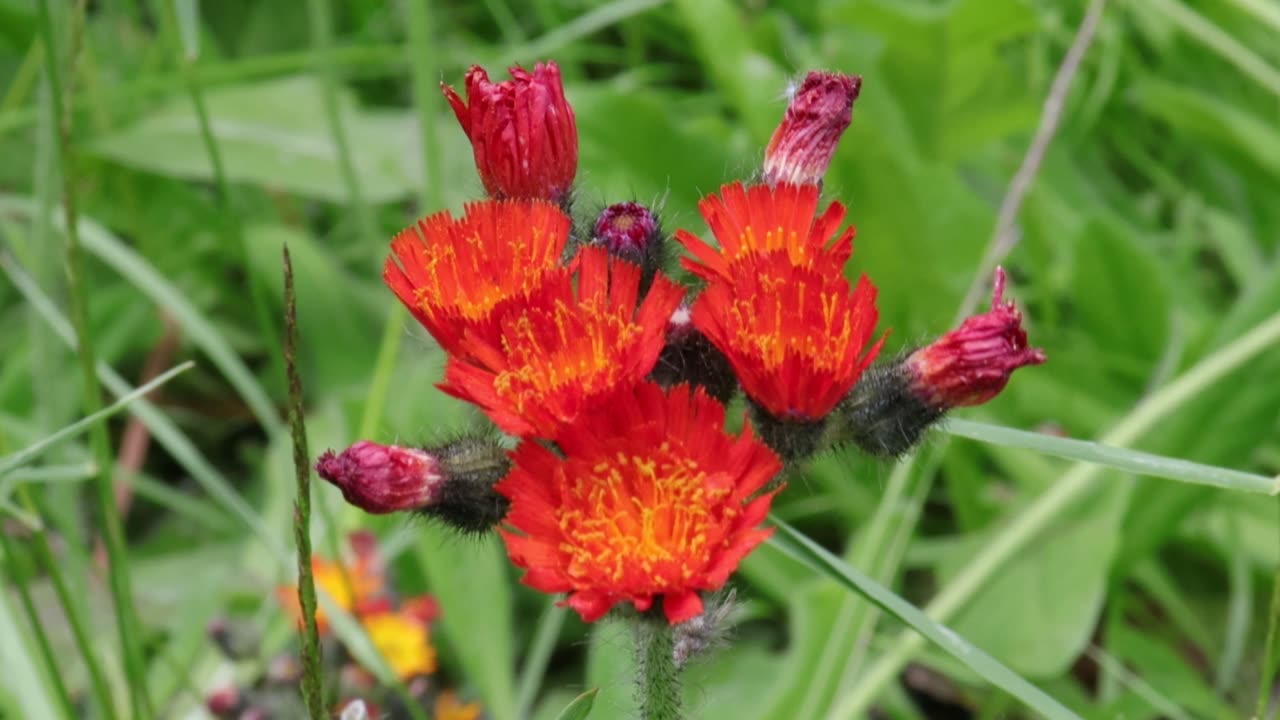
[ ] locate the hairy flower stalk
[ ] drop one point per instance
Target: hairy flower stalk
(890, 409)
(657, 676)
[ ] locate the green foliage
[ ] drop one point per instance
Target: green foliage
(1148, 244)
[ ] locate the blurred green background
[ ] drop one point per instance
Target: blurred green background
(1148, 242)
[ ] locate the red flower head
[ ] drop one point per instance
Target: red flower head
(522, 132)
(453, 274)
(802, 146)
(761, 219)
(383, 478)
(651, 499)
(795, 336)
(972, 364)
(564, 350)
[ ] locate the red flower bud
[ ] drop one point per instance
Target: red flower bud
(522, 132)
(971, 364)
(802, 146)
(628, 230)
(383, 478)
(223, 702)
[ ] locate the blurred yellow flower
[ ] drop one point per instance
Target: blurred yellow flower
(448, 707)
(403, 641)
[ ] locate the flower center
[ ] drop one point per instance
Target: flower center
(641, 520)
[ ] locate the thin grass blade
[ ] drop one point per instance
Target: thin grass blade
(1133, 461)
(802, 548)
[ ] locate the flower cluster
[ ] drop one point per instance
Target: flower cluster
(625, 485)
(398, 630)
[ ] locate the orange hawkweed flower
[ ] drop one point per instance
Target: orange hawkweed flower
(455, 274)
(563, 350)
(796, 337)
(760, 219)
(349, 586)
(403, 640)
(652, 499)
(449, 707)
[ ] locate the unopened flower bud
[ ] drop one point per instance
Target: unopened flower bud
(522, 132)
(452, 482)
(630, 231)
(892, 405)
(804, 143)
(689, 357)
(383, 479)
(972, 364)
(224, 702)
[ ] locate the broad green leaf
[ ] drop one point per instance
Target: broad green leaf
(1112, 270)
(580, 708)
(274, 134)
(1214, 120)
(813, 617)
(966, 652)
(611, 666)
(1166, 671)
(634, 146)
(942, 64)
(472, 582)
(1038, 614)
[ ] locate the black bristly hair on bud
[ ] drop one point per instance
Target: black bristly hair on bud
(882, 415)
(473, 462)
(794, 439)
(689, 357)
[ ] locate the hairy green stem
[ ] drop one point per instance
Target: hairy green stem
(312, 681)
(657, 679)
(127, 622)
